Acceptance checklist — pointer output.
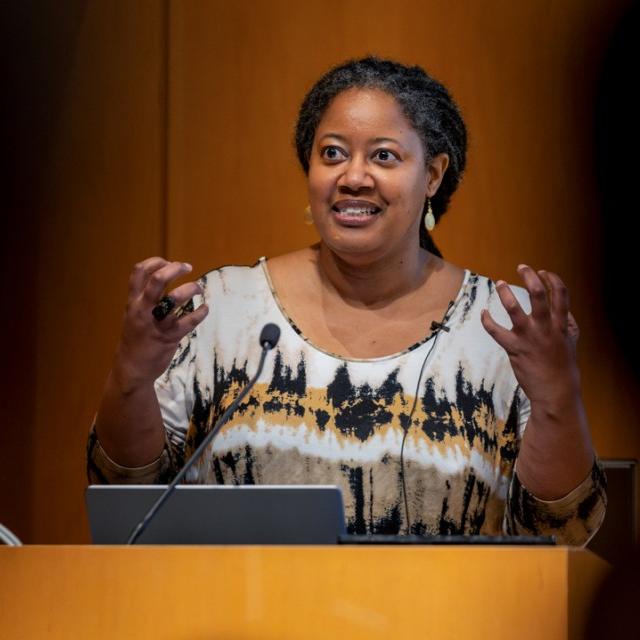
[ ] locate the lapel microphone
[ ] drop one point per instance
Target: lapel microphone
(436, 326)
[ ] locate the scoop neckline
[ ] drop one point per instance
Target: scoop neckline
(453, 304)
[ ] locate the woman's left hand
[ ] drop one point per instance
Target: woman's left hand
(542, 345)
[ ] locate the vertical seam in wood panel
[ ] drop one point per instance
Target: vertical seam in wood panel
(164, 130)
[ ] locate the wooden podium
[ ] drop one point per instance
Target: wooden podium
(301, 592)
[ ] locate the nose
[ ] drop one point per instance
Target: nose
(356, 174)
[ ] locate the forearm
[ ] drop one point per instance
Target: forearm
(129, 422)
(556, 452)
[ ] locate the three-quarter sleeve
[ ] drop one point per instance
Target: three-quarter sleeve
(573, 519)
(174, 390)
(101, 469)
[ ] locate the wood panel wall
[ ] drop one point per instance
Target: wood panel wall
(97, 207)
(171, 133)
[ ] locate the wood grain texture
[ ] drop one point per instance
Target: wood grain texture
(292, 592)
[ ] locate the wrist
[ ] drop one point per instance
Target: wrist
(127, 378)
(563, 400)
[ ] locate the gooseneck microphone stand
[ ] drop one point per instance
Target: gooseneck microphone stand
(269, 337)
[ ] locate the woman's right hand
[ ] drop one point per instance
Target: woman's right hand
(147, 345)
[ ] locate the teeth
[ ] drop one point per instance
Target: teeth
(357, 212)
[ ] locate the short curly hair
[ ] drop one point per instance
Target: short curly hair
(425, 102)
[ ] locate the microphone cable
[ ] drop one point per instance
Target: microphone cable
(435, 326)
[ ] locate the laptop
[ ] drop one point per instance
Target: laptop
(218, 514)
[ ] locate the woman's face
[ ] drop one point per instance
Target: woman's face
(368, 180)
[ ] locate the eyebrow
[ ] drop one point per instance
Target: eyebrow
(380, 139)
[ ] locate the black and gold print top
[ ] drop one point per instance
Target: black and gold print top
(317, 418)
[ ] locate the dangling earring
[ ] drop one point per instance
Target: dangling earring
(308, 218)
(429, 220)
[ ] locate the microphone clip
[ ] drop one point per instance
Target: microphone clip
(436, 326)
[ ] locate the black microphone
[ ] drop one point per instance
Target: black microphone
(269, 337)
(436, 326)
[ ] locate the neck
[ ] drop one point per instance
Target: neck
(373, 283)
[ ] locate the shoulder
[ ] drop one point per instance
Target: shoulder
(483, 358)
(479, 292)
(483, 291)
(230, 278)
(232, 270)
(289, 271)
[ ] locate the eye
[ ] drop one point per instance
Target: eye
(386, 155)
(332, 153)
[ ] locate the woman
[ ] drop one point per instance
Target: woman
(413, 384)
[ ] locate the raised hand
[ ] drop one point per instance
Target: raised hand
(542, 345)
(147, 344)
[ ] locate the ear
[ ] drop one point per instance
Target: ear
(435, 173)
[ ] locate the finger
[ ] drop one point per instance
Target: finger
(504, 337)
(559, 297)
(189, 322)
(159, 279)
(537, 292)
(511, 304)
(185, 292)
(141, 273)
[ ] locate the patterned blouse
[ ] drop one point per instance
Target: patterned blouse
(318, 418)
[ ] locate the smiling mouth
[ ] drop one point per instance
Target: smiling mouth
(356, 212)
(355, 216)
